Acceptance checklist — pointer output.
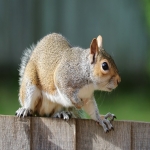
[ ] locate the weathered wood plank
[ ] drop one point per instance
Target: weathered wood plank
(140, 136)
(53, 134)
(46, 133)
(90, 136)
(14, 133)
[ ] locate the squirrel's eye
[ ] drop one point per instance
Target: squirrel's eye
(105, 66)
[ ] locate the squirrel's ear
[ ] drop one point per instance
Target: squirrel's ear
(99, 41)
(93, 50)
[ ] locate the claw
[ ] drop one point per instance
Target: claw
(112, 128)
(23, 112)
(57, 116)
(107, 131)
(64, 115)
(115, 117)
(110, 116)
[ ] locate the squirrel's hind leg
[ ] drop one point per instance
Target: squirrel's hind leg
(29, 98)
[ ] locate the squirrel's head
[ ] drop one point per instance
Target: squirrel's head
(104, 70)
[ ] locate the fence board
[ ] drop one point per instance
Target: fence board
(53, 134)
(46, 133)
(140, 136)
(14, 133)
(91, 136)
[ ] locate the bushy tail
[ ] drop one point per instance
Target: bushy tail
(24, 60)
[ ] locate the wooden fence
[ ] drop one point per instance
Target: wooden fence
(37, 133)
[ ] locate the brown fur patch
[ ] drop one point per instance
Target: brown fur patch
(38, 105)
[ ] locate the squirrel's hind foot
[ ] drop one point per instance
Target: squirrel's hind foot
(23, 112)
(66, 115)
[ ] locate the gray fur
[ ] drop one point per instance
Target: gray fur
(24, 60)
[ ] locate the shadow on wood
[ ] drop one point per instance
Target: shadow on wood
(54, 134)
(37, 133)
(91, 136)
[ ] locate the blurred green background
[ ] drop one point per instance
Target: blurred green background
(124, 25)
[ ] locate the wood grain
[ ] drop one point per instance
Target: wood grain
(91, 136)
(37, 133)
(14, 133)
(140, 136)
(53, 134)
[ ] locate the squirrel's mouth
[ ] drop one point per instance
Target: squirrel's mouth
(110, 89)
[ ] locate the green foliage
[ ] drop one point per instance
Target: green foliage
(8, 96)
(147, 12)
(126, 104)
(146, 4)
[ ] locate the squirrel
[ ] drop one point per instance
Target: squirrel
(57, 79)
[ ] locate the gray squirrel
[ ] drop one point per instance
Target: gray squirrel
(58, 80)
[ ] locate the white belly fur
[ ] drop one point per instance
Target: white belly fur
(86, 92)
(61, 100)
(54, 103)
(48, 107)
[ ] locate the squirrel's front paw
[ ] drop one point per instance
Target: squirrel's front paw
(110, 116)
(66, 115)
(105, 122)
